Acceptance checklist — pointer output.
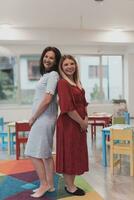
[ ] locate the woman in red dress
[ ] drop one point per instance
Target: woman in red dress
(72, 123)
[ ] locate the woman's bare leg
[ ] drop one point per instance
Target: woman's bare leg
(49, 166)
(40, 169)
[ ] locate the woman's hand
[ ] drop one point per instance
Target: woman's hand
(86, 119)
(31, 121)
(84, 124)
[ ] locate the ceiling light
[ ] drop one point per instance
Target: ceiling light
(99, 1)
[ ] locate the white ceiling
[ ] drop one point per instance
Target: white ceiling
(68, 14)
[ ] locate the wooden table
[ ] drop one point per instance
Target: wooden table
(99, 119)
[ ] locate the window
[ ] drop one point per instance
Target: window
(18, 82)
(8, 86)
(93, 71)
(97, 75)
(33, 70)
(29, 75)
(113, 82)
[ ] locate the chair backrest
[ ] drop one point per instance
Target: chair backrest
(123, 119)
(1, 124)
(118, 120)
(127, 117)
(121, 135)
(22, 126)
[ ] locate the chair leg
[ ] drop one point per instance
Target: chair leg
(4, 143)
(11, 143)
(95, 131)
(108, 138)
(111, 162)
(17, 151)
(131, 164)
(92, 132)
(2, 140)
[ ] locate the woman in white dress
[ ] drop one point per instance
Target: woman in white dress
(42, 122)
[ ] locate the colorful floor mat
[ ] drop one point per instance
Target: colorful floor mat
(18, 179)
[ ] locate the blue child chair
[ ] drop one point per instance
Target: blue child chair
(4, 136)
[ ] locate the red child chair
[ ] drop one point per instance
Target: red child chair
(21, 135)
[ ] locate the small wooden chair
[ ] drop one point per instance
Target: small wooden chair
(121, 148)
(21, 137)
(125, 119)
(118, 120)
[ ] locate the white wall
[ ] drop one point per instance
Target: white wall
(15, 112)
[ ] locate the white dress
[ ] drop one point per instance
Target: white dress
(40, 140)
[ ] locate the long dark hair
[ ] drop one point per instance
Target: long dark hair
(57, 60)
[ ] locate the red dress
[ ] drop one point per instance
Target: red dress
(71, 152)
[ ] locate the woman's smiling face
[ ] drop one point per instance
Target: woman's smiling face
(49, 60)
(69, 67)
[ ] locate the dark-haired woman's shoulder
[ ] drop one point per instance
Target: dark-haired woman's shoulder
(54, 74)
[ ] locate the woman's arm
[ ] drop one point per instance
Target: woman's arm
(86, 118)
(41, 108)
(76, 117)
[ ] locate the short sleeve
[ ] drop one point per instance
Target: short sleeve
(65, 97)
(52, 82)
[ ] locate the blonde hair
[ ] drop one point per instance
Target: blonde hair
(76, 73)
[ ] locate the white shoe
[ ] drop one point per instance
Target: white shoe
(35, 190)
(50, 190)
